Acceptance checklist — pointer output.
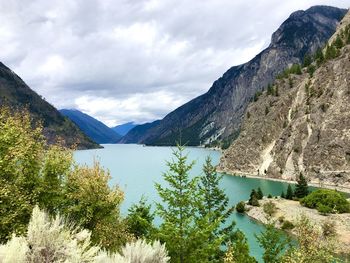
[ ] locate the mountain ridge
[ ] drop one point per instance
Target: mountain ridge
(216, 115)
(92, 127)
(16, 94)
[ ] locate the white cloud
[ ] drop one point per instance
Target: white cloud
(134, 60)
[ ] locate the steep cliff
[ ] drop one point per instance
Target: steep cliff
(216, 116)
(305, 126)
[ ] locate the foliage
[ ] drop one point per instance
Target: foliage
(253, 200)
(290, 192)
(307, 60)
(187, 234)
(238, 252)
(301, 188)
(259, 194)
(273, 243)
(240, 207)
(140, 219)
(325, 200)
(215, 202)
(283, 195)
(286, 225)
(55, 240)
(31, 172)
(269, 208)
(313, 246)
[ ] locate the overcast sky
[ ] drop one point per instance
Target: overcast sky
(134, 60)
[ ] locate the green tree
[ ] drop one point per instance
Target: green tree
(240, 207)
(290, 193)
(238, 252)
(273, 243)
(140, 219)
(269, 89)
(338, 43)
(301, 188)
(259, 194)
(216, 202)
(307, 60)
(283, 195)
(319, 57)
(253, 200)
(187, 234)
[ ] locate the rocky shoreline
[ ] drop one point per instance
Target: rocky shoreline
(292, 210)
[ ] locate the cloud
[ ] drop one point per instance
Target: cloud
(134, 60)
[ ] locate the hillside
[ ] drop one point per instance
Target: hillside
(215, 117)
(16, 94)
(93, 128)
(123, 129)
(305, 128)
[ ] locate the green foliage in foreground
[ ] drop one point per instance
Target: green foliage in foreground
(33, 173)
(327, 201)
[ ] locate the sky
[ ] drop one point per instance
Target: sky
(134, 60)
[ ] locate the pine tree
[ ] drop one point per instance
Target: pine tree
(239, 251)
(273, 243)
(290, 193)
(216, 202)
(259, 194)
(188, 236)
(307, 60)
(301, 188)
(140, 219)
(253, 200)
(283, 195)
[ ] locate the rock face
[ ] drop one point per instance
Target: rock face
(96, 130)
(217, 115)
(16, 94)
(305, 129)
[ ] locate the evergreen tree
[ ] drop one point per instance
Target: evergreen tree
(307, 60)
(269, 89)
(273, 243)
(238, 252)
(187, 234)
(319, 57)
(259, 194)
(253, 200)
(338, 43)
(301, 188)
(140, 219)
(290, 193)
(216, 202)
(283, 195)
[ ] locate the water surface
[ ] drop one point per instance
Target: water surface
(136, 168)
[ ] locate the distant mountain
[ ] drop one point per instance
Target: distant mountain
(215, 117)
(305, 126)
(123, 129)
(17, 95)
(93, 128)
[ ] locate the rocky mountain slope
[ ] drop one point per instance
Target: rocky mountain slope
(216, 116)
(304, 127)
(16, 94)
(93, 128)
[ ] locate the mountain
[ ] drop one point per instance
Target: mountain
(305, 127)
(216, 115)
(15, 93)
(93, 128)
(123, 129)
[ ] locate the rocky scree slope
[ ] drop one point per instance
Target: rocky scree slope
(305, 128)
(15, 93)
(216, 116)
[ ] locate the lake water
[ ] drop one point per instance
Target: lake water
(136, 168)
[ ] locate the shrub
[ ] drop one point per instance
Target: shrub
(287, 225)
(269, 196)
(269, 208)
(259, 193)
(53, 240)
(240, 207)
(290, 192)
(281, 219)
(327, 201)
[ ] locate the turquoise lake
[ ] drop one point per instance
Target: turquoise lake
(136, 168)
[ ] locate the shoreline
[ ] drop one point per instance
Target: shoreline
(343, 189)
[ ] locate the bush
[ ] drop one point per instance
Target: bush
(327, 201)
(240, 207)
(269, 208)
(287, 225)
(53, 240)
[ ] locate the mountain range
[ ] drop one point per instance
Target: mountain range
(16, 94)
(123, 129)
(215, 117)
(305, 126)
(93, 128)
